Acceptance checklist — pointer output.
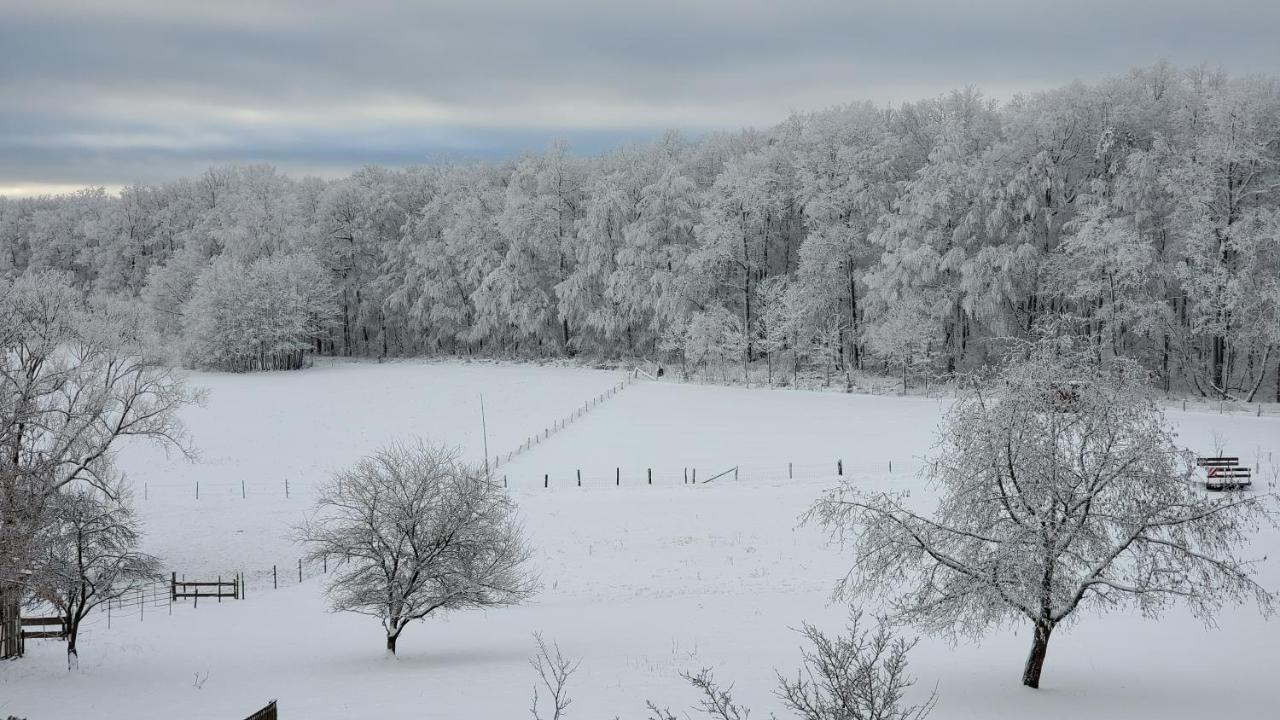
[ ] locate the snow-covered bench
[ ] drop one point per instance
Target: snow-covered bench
(1225, 473)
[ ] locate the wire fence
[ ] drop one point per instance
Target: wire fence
(163, 597)
(560, 424)
(665, 474)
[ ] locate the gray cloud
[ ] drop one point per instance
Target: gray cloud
(136, 90)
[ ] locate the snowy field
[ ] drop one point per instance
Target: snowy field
(640, 581)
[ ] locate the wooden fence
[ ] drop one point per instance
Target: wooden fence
(219, 588)
(266, 713)
(42, 622)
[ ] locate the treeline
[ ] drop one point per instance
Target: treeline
(1140, 215)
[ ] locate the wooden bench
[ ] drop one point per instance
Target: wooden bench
(1225, 473)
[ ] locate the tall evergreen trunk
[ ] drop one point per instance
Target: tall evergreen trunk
(1035, 661)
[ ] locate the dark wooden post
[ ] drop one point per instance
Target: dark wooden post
(173, 586)
(197, 601)
(197, 489)
(579, 477)
(617, 480)
(840, 467)
(275, 579)
(546, 480)
(650, 476)
(790, 475)
(299, 570)
(242, 495)
(695, 476)
(219, 589)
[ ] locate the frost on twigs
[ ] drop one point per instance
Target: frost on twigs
(415, 531)
(553, 670)
(860, 675)
(1060, 488)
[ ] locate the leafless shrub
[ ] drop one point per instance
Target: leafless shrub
(554, 670)
(861, 675)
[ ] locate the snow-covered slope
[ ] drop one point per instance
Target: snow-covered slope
(641, 581)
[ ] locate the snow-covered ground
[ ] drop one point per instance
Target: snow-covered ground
(640, 581)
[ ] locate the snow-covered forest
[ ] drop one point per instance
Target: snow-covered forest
(1140, 214)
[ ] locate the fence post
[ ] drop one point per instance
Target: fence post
(325, 560)
(144, 491)
(686, 476)
(504, 481)
(196, 604)
(299, 570)
(197, 489)
(219, 589)
(735, 473)
(789, 473)
(890, 466)
(579, 477)
(839, 467)
(695, 476)
(275, 579)
(546, 480)
(242, 495)
(173, 586)
(650, 476)
(286, 488)
(617, 478)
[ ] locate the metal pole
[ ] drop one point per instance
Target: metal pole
(484, 430)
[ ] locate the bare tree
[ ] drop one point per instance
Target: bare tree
(92, 558)
(74, 380)
(861, 675)
(554, 670)
(1061, 488)
(417, 531)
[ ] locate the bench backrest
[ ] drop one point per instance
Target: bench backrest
(1217, 461)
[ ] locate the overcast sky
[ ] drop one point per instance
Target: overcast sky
(117, 91)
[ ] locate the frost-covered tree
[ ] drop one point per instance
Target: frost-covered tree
(74, 381)
(264, 315)
(1060, 491)
(715, 337)
(1137, 214)
(414, 531)
(903, 337)
(89, 556)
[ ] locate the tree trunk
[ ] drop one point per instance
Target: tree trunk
(1035, 661)
(391, 643)
(10, 620)
(73, 632)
